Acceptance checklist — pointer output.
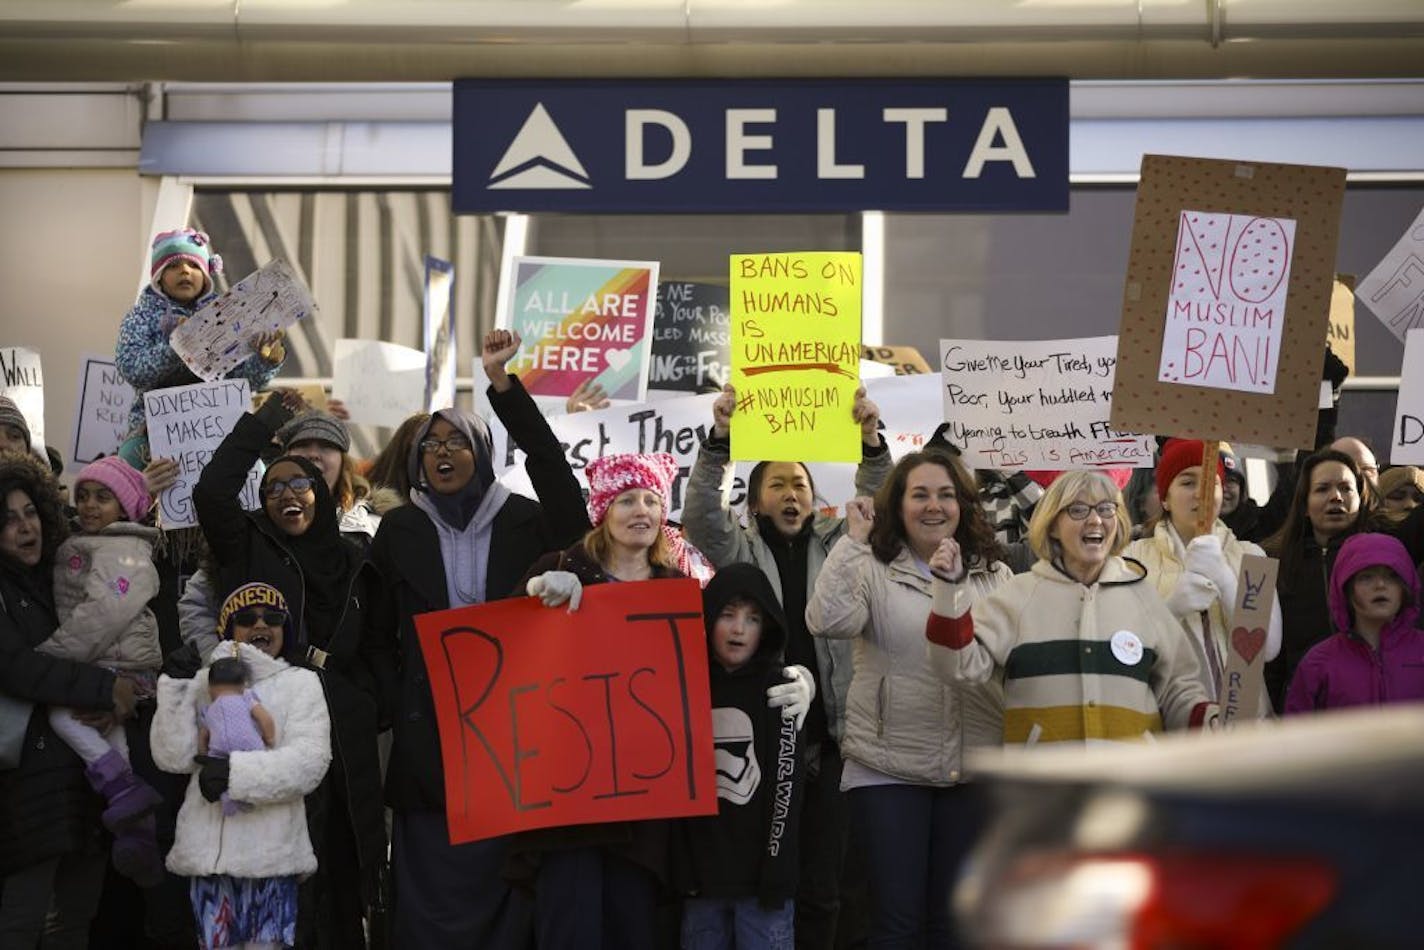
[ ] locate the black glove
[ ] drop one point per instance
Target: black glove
(183, 663)
(213, 776)
(1335, 372)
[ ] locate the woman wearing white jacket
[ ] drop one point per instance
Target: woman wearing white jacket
(905, 729)
(1196, 574)
(245, 866)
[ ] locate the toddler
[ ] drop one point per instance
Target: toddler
(234, 721)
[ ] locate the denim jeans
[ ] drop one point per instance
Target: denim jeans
(739, 923)
(915, 839)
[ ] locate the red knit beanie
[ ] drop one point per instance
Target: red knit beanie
(1177, 455)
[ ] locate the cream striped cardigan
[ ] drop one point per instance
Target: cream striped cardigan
(1100, 662)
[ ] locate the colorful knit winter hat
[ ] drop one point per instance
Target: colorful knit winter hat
(612, 475)
(123, 480)
(1177, 456)
(184, 244)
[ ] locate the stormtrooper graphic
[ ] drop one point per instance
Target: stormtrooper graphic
(738, 773)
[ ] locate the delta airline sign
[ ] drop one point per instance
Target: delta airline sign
(761, 146)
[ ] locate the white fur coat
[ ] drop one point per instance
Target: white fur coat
(270, 839)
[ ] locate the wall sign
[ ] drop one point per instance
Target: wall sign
(760, 146)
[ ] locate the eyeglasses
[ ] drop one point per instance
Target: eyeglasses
(456, 443)
(297, 484)
(248, 617)
(1078, 511)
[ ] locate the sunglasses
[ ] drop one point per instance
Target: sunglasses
(298, 484)
(248, 617)
(1078, 511)
(456, 443)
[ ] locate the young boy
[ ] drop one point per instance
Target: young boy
(740, 867)
(1376, 656)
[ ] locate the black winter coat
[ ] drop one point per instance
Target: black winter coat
(247, 547)
(46, 806)
(406, 552)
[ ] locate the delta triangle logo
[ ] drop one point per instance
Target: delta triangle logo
(539, 157)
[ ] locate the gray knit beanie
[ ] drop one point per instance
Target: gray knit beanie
(10, 415)
(315, 424)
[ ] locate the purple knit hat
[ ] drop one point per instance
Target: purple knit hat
(123, 480)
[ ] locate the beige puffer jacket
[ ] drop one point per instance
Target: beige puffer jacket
(102, 585)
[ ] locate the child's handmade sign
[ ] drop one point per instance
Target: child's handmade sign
(1394, 290)
(1041, 404)
(221, 335)
(796, 356)
(186, 424)
(1242, 684)
(580, 320)
(22, 380)
(102, 416)
(1406, 439)
(550, 718)
(1227, 299)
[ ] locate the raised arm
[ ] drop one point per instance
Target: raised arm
(707, 517)
(839, 606)
(964, 646)
(217, 495)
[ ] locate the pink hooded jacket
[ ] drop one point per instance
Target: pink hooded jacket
(1343, 670)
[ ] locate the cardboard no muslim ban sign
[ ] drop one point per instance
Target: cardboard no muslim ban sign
(1217, 343)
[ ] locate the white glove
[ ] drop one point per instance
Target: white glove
(794, 696)
(556, 587)
(1192, 595)
(1204, 557)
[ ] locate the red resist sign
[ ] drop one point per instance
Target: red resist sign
(549, 718)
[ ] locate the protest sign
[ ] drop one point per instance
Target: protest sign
(186, 423)
(795, 356)
(102, 416)
(549, 718)
(1234, 352)
(691, 338)
(1041, 404)
(439, 326)
(1226, 305)
(220, 336)
(909, 406)
(1241, 678)
(401, 374)
(905, 359)
(1407, 437)
(1341, 334)
(22, 380)
(1394, 290)
(580, 320)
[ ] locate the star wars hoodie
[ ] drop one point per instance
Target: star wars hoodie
(749, 848)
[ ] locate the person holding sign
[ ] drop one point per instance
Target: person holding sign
(1196, 574)
(49, 866)
(1376, 655)
(597, 885)
(906, 731)
(789, 540)
(182, 266)
(293, 543)
(464, 539)
(1085, 647)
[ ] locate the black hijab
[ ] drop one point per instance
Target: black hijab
(319, 551)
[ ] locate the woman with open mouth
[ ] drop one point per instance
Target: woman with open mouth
(464, 539)
(48, 817)
(292, 541)
(1196, 574)
(1084, 645)
(612, 871)
(906, 729)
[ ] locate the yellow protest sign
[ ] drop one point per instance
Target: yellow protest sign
(795, 356)
(1341, 332)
